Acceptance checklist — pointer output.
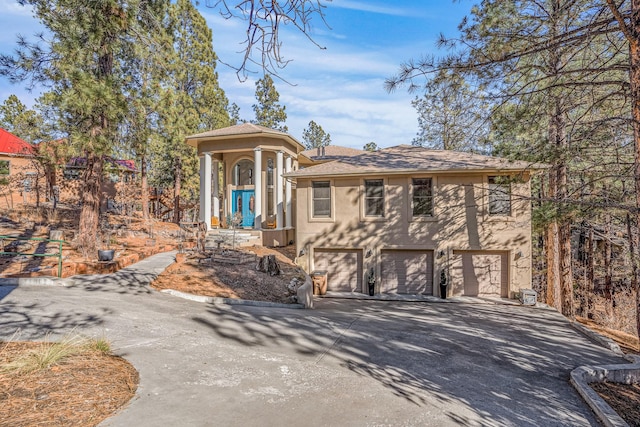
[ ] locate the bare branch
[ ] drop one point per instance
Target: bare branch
(264, 22)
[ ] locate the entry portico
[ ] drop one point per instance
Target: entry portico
(241, 181)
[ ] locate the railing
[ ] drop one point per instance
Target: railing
(38, 239)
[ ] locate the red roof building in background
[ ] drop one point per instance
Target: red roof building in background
(12, 145)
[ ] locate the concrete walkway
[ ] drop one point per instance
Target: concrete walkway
(345, 363)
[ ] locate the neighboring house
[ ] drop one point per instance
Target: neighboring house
(404, 214)
(401, 215)
(118, 186)
(19, 177)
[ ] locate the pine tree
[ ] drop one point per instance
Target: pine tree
(269, 113)
(234, 115)
(314, 136)
(549, 58)
(191, 101)
(81, 62)
(627, 15)
(450, 115)
(20, 121)
(145, 71)
(370, 146)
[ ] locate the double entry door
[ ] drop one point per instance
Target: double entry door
(243, 202)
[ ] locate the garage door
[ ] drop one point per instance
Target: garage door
(407, 272)
(482, 273)
(344, 268)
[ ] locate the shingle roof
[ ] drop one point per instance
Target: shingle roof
(11, 144)
(241, 129)
(244, 129)
(410, 159)
(331, 152)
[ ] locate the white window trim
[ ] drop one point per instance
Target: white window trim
(498, 217)
(332, 207)
(363, 206)
(422, 218)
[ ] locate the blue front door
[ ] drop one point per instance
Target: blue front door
(244, 202)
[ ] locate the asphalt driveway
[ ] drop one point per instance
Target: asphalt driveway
(345, 363)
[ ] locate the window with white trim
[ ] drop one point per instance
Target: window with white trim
(321, 199)
(422, 197)
(374, 197)
(499, 195)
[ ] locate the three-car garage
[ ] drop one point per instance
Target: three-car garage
(408, 271)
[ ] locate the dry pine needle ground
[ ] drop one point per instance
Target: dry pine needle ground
(81, 390)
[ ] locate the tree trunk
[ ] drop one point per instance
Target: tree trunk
(590, 274)
(90, 209)
(634, 80)
(268, 264)
(176, 190)
(553, 252)
(144, 188)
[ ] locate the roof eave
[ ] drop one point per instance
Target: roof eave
(407, 172)
(195, 140)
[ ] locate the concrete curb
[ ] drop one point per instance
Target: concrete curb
(230, 301)
(582, 376)
(599, 339)
(33, 281)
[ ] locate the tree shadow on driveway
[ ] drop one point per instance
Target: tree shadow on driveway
(479, 364)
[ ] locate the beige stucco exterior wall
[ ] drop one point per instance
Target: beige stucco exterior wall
(12, 194)
(460, 222)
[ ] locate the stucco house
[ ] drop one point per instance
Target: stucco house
(401, 215)
(119, 188)
(18, 170)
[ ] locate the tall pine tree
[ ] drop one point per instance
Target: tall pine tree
(269, 113)
(314, 136)
(191, 101)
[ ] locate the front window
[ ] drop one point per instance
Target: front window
(422, 201)
(4, 172)
(374, 197)
(243, 173)
(71, 173)
(322, 199)
(270, 187)
(28, 182)
(499, 195)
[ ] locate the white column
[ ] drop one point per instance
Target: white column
(206, 190)
(203, 195)
(257, 177)
(279, 192)
(287, 192)
(216, 189)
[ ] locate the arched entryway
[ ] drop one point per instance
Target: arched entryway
(243, 198)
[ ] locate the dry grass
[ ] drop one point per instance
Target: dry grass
(75, 382)
(46, 354)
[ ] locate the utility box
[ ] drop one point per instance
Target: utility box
(528, 297)
(319, 279)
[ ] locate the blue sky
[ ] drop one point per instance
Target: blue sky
(341, 87)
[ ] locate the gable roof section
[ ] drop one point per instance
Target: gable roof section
(241, 130)
(12, 145)
(403, 159)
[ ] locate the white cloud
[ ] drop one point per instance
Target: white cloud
(369, 7)
(13, 8)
